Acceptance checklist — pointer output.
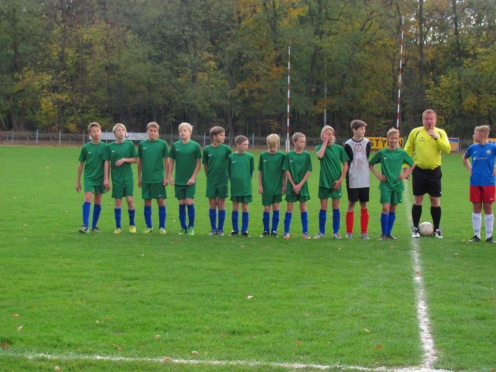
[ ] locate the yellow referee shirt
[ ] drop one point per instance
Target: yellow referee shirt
(425, 150)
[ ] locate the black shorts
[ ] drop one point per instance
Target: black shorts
(361, 194)
(427, 181)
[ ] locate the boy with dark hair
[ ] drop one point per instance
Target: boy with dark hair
(215, 163)
(358, 177)
(241, 166)
(91, 159)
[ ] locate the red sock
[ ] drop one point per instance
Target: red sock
(364, 220)
(349, 222)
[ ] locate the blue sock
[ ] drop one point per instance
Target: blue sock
(336, 220)
(384, 223)
(391, 219)
(162, 215)
(266, 221)
(304, 222)
(234, 220)
(117, 214)
(287, 222)
(131, 213)
(322, 221)
(86, 213)
(245, 218)
(222, 218)
(191, 215)
(96, 214)
(182, 216)
(148, 216)
(275, 220)
(212, 213)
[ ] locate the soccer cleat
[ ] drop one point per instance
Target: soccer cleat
(349, 235)
(475, 239)
(490, 240)
(234, 233)
(306, 236)
(389, 236)
(162, 231)
(274, 234)
(319, 235)
(245, 234)
(415, 232)
(437, 234)
(96, 230)
(148, 230)
(183, 231)
(84, 230)
(383, 237)
(132, 229)
(220, 233)
(191, 231)
(337, 236)
(213, 232)
(117, 231)
(286, 235)
(265, 233)
(365, 236)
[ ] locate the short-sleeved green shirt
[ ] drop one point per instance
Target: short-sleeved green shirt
(152, 154)
(391, 166)
(298, 165)
(185, 156)
(116, 151)
(240, 168)
(330, 164)
(271, 167)
(93, 158)
(216, 159)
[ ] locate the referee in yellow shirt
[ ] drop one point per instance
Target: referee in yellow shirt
(425, 145)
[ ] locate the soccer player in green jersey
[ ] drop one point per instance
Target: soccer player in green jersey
(153, 164)
(392, 159)
(187, 154)
(91, 159)
(240, 168)
(271, 183)
(331, 155)
(215, 162)
(297, 165)
(119, 156)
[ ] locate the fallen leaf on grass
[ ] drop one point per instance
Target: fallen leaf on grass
(19, 328)
(365, 329)
(157, 336)
(298, 342)
(168, 359)
(223, 335)
(194, 352)
(249, 297)
(118, 347)
(5, 345)
(491, 299)
(56, 368)
(15, 315)
(378, 347)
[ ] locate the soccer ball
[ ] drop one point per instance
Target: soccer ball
(426, 229)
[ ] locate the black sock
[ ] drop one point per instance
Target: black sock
(416, 214)
(436, 216)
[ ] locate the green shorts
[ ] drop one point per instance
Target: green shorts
(185, 191)
(242, 199)
(95, 189)
(325, 193)
(153, 191)
(121, 190)
(268, 200)
(221, 192)
(391, 197)
(293, 198)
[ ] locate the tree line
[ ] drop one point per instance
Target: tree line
(65, 63)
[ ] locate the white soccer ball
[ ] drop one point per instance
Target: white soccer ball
(426, 229)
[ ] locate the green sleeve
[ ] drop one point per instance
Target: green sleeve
(407, 159)
(198, 151)
(344, 156)
(82, 155)
(165, 152)
(375, 159)
(172, 153)
(140, 150)
(309, 162)
(205, 156)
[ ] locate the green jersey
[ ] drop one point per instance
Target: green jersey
(216, 160)
(271, 167)
(116, 151)
(240, 169)
(93, 158)
(391, 166)
(185, 155)
(152, 154)
(298, 165)
(330, 164)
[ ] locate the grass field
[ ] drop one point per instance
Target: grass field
(342, 304)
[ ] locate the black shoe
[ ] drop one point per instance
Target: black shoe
(220, 232)
(265, 233)
(490, 240)
(234, 233)
(383, 237)
(274, 234)
(437, 234)
(389, 236)
(245, 234)
(96, 229)
(475, 239)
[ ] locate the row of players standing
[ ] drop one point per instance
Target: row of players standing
(155, 170)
